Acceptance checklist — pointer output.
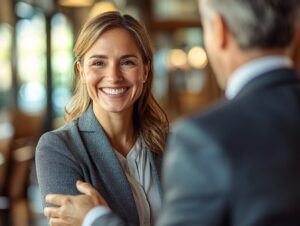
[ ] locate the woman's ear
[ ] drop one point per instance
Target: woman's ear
(80, 70)
(146, 71)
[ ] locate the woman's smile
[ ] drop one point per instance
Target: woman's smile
(114, 91)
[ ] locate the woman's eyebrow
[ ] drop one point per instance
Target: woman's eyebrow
(100, 56)
(128, 56)
(97, 56)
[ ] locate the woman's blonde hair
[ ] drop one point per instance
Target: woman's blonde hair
(150, 121)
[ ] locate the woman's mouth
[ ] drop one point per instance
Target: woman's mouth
(114, 91)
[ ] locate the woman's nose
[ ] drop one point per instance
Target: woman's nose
(114, 73)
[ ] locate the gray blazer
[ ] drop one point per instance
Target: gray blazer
(81, 150)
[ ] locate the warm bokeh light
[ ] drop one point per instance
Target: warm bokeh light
(177, 58)
(76, 3)
(197, 57)
(102, 7)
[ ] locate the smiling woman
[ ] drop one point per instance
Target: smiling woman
(115, 132)
(113, 71)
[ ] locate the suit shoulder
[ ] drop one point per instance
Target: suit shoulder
(60, 137)
(215, 114)
(62, 131)
(215, 121)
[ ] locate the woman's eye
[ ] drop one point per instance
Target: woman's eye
(99, 63)
(128, 62)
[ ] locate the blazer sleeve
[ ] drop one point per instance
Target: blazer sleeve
(57, 169)
(196, 178)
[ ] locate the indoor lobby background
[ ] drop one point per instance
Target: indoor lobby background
(36, 79)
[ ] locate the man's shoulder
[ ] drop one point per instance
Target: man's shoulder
(223, 117)
(217, 113)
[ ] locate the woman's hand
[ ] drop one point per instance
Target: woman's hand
(71, 209)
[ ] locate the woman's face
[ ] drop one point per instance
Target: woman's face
(114, 72)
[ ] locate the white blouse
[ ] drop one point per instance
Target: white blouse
(137, 167)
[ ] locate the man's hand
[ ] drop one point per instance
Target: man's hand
(71, 209)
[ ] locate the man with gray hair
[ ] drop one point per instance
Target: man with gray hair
(238, 163)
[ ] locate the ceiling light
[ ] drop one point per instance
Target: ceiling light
(102, 7)
(76, 3)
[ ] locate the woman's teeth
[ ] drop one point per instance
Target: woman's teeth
(114, 91)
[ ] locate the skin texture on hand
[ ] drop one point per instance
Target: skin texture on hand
(71, 209)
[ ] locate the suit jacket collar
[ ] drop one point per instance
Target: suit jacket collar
(253, 69)
(88, 121)
(270, 79)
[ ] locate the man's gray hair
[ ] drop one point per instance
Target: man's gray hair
(260, 24)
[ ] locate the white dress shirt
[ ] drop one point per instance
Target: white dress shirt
(137, 168)
(254, 68)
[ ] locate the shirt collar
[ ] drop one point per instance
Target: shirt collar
(135, 151)
(257, 67)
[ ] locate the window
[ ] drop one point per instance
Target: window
(5, 66)
(31, 66)
(62, 62)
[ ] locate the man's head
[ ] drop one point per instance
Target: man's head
(238, 30)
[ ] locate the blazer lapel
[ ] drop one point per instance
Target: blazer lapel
(115, 184)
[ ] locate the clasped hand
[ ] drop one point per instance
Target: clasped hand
(71, 209)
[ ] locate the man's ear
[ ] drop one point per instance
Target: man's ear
(221, 31)
(292, 48)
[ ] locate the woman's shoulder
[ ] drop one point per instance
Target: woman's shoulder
(58, 143)
(59, 135)
(62, 131)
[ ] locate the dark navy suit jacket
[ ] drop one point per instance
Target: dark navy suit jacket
(238, 163)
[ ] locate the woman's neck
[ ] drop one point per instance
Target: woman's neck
(119, 129)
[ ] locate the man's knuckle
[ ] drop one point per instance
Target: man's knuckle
(63, 212)
(59, 214)
(66, 200)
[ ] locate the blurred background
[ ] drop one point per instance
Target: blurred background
(36, 79)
